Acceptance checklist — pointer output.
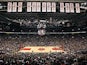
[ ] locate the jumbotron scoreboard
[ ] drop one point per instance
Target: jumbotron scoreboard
(43, 6)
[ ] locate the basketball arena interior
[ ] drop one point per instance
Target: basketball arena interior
(43, 32)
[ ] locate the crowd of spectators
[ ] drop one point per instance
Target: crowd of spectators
(43, 59)
(11, 44)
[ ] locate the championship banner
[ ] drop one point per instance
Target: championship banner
(48, 6)
(34, 6)
(9, 7)
(72, 7)
(38, 6)
(77, 7)
(61, 7)
(43, 6)
(20, 6)
(53, 7)
(41, 49)
(14, 6)
(28, 6)
(67, 7)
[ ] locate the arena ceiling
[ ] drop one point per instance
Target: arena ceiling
(26, 21)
